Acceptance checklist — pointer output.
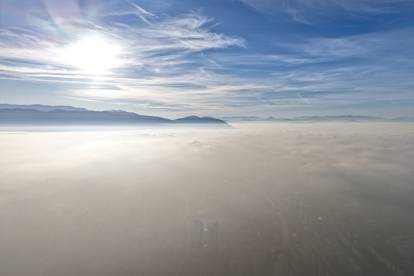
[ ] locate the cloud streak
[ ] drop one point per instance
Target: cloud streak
(159, 55)
(191, 60)
(310, 12)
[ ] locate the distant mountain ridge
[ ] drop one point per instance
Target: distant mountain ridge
(195, 119)
(327, 118)
(348, 118)
(45, 114)
(41, 107)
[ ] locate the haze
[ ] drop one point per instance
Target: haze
(254, 199)
(206, 137)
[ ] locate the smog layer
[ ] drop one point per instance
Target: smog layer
(254, 199)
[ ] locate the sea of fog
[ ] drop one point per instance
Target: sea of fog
(253, 199)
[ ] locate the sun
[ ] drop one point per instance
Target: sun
(93, 54)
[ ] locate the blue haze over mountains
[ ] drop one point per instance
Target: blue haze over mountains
(44, 114)
(68, 115)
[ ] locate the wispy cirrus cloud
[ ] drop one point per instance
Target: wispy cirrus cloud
(310, 12)
(186, 62)
(157, 56)
(175, 37)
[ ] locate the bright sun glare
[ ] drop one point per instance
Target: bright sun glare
(93, 55)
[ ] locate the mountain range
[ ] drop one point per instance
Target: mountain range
(69, 115)
(326, 118)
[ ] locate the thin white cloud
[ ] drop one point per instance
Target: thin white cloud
(170, 64)
(168, 39)
(156, 58)
(142, 13)
(305, 11)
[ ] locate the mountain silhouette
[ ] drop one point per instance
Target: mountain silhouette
(50, 115)
(199, 120)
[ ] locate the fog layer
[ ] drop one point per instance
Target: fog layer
(259, 199)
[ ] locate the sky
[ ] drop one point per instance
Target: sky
(213, 57)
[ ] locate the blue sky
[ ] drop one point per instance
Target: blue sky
(213, 57)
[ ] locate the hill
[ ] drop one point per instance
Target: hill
(68, 115)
